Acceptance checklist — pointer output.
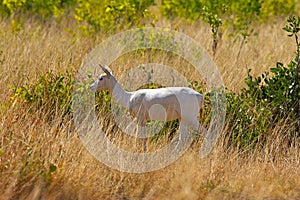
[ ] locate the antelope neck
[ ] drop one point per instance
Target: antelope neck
(119, 94)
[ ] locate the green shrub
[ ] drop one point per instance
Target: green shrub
(236, 16)
(282, 90)
(267, 100)
(51, 92)
(112, 15)
(40, 8)
(189, 9)
(281, 8)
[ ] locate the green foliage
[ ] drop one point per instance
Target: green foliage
(244, 12)
(189, 9)
(210, 11)
(293, 27)
(248, 120)
(281, 91)
(237, 15)
(37, 169)
(52, 92)
(8, 7)
(103, 101)
(267, 99)
(212, 14)
(112, 15)
(109, 16)
(47, 174)
(281, 8)
(39, 8)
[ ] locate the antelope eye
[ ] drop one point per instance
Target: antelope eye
(101, 78)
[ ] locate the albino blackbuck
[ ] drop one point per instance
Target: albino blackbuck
(163, 104)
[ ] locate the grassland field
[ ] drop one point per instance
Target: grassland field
(46, 160)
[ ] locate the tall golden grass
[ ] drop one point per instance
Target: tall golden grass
(30, 144)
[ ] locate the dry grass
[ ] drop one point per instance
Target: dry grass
(30, 143)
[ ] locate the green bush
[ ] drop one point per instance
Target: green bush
(280, 8)
(236, 16)
(51, 92)
(112, 15)
(267, 100)
(282, 90)
(39, 8)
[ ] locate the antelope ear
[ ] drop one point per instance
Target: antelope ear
(106, 69)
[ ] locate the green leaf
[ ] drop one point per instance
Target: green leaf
(52, 168)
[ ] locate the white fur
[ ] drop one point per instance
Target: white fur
(163, 104)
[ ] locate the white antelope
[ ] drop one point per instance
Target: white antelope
(163, 104)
